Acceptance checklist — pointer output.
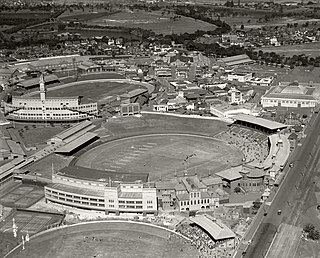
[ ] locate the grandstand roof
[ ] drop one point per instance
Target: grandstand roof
(134, 93)
(35, 81)
(72, 130)
(16, 148)
(231, 173)
(103, 175)
(217, 230)
(236, 60)
(272, 125)
(69, 147)
(78, 190)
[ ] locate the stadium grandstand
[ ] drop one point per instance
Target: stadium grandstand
(236, 60)
(217, 230)
(34, 82)
(100, 190)
(43, 109)
(74, 138)
(77, 144)
(258, 123)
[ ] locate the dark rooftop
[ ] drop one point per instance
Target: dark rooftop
(102, 175)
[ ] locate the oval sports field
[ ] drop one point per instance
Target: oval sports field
(162, 155)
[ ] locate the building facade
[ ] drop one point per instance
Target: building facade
(293, 94)
(98, 195)
(45, 109)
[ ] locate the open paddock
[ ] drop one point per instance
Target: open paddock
(308, 49)
(159, 22)
(109, 239)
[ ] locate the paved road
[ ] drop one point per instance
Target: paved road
(293, 191)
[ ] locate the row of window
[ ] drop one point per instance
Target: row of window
(75, 196)
(129, 202)
(194, 195)
(251, 184)
(194, 202)
(76, 201)
(286, 101)
(130, 206)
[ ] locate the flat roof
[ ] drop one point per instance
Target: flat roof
(231, 173)
(15, 148)
(77, 190)
(72, 130)
(103, 175)
(217, 230)
(272, 125)
(69, 147)
(35, 81)
(134, 93)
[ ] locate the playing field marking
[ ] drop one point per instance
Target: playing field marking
(114, 167)
(147, 146)
(139, 151)
(144, 149)
(121, 164)
(130, 158)
(152, 143)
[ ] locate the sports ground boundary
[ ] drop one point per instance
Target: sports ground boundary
(18, 248)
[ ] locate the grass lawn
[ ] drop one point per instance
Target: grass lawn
(92, 91)
(109, 240)
(44, 166)
(308, 249)
(310, 49)
(161, 155)
(155, 21)
(36, 134)
(157, 123)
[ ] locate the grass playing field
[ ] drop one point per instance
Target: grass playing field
(109, 239)
(92, 91)
(161, 155)
(153, 21)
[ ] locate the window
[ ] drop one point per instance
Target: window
(130, 206)
(111, 200)
(130, 202)
(139, 207)
(149, 207)
(138, 202)
(121, 201)
(149, 201)
(111, 205)
(122, 206)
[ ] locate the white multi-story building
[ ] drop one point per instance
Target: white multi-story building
(43, 109)
(84, 188)
(291, 95)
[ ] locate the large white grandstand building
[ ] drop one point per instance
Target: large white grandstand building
(43, 109)
(102, 191)
(293, 94)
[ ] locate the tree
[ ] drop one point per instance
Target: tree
(257, 204)
(308, 228)
(237, 189)
(314, 234)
